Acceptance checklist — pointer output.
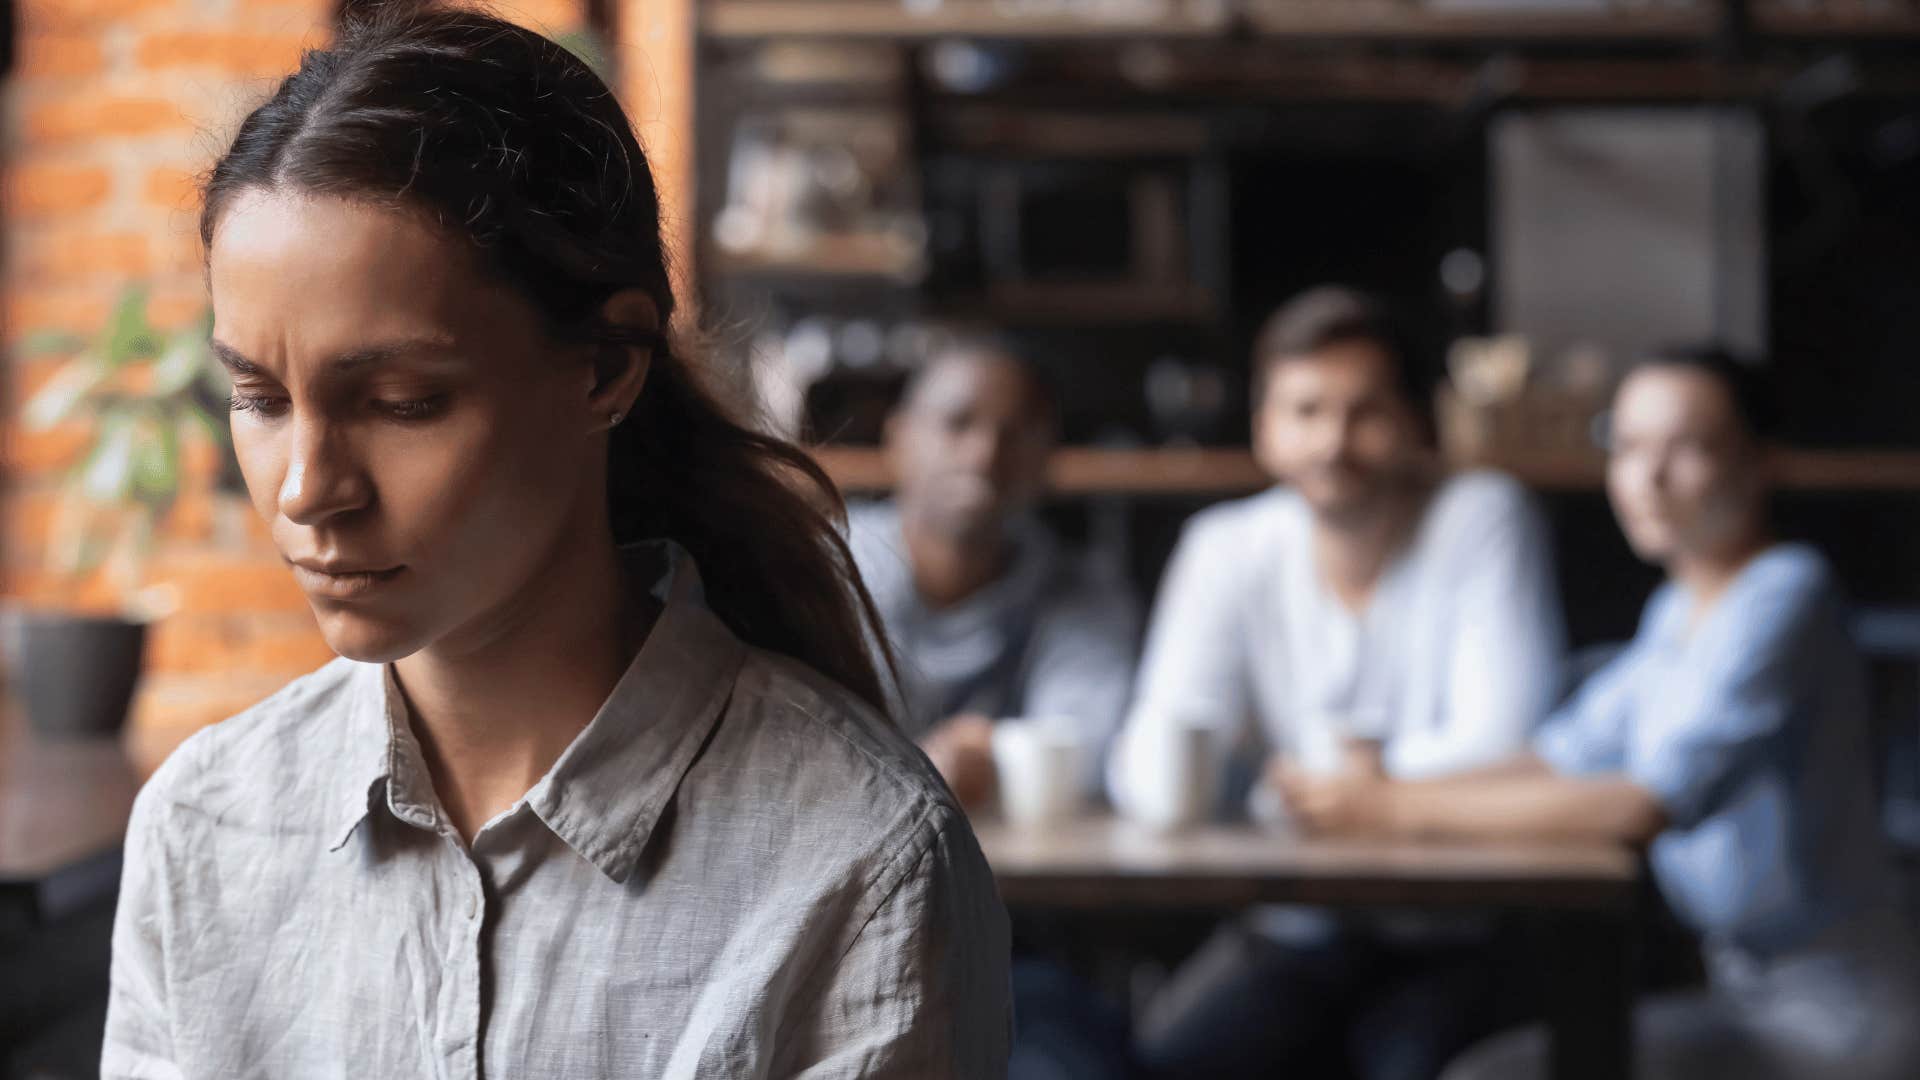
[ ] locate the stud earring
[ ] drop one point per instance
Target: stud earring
(614, 420)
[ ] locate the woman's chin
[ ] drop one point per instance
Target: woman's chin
(358, 636)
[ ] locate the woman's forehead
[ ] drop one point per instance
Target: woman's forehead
(1674, 400)
(286, 267)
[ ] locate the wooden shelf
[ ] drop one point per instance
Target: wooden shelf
(1222, 472)
(1361, 19)
(753, 19)
(1304, 19)
(859, 257)
(1837, 23)
(749, 20)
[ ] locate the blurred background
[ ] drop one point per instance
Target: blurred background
(1126, 188)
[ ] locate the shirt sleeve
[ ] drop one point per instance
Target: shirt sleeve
(1195, 654)
(1738, 693)
(1080, 664)
(924, 991)
(1588, 735)
(1504, 646)
(139, 1042)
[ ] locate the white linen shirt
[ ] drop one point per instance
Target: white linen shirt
(735, 870)
(1455, 658)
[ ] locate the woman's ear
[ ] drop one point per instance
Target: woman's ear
(620, 370)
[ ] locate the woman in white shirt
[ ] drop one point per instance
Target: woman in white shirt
(602, 785)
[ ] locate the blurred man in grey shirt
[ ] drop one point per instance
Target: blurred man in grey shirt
(990, 615)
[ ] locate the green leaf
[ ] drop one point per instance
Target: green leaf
(209, 408)
(587, 44)
(198, 423)
(49, 343)
(82, 557)
(129, 336)
(179, 365)
(107, 474)
(156, 464)
(65, 392)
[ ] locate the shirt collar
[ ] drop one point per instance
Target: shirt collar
(610, 787)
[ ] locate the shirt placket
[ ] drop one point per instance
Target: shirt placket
(464, 916)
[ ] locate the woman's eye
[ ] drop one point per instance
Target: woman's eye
(262, 404)
(413, 408)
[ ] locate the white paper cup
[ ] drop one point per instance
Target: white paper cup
(1041, 769)
(1179, 764)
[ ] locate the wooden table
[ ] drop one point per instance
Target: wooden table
(63, 812)
(1590, 894)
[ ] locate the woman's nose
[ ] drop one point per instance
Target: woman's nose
(323, 479)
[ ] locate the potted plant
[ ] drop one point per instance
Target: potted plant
(145, 394)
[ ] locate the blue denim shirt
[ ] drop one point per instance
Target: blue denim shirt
(1749, 725)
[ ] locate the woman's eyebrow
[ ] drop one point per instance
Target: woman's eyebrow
(351, 360)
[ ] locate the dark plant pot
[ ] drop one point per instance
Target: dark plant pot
(73, 674)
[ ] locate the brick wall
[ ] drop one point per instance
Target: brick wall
(113, 110)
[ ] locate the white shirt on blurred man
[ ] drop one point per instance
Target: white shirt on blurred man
(1449, 665)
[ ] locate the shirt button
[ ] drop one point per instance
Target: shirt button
(473, 907)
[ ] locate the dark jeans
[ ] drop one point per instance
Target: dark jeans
(1356, 1005)
(1062, 1028)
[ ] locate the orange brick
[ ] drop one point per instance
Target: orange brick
(193, 642)
(178, 305)
(180, 252)
(93, 116)
(39, 586)
(186, 702)
(30, 515)
(148, 747)
(76, 311)
(77, 14)
(273, 645)
(69, 254)
(39, 189)
(294, 651)
(56, 56)
(239, 54)
(44, 451)
(200, 459)
(259, 530)
(173, 189)
(30, 373)
(208, 583)
(280, 14)
(547, 16)
(190, 519)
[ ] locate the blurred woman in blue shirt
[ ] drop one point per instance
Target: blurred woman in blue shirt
(1731, 738)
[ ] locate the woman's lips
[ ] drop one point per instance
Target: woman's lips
(342, 584)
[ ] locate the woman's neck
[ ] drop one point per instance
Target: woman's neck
(495, 707)
(1706, 575)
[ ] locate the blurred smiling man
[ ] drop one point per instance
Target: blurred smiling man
(1371, 616)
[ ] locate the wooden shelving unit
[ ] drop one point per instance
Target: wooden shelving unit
(1304, 19)
(1393, 19)
(875, 260)
(1219, 472)
(1838, 23)
(746, 20)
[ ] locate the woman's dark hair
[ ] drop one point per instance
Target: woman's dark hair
(1329, 315)
(1745, 381)
(509, 141)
